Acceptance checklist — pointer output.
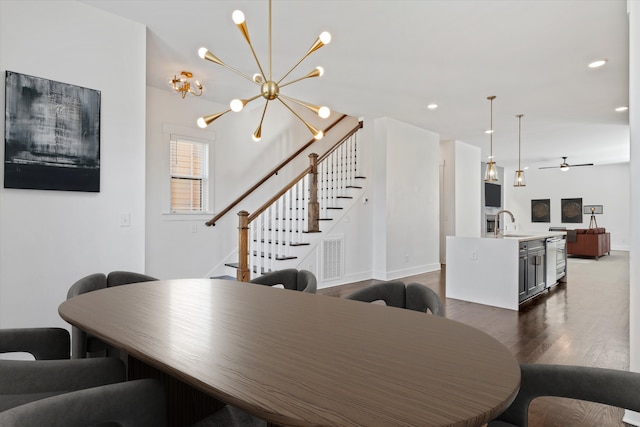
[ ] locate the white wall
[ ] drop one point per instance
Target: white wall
(606, 185)
(634, 121)
(406, 200)
(460, 192)
(467, 190)
(49, 239)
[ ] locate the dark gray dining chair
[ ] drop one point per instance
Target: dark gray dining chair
(423, 298)
(607, 386)
(393, 293)
(297, 280)
(52, 373)
(413, 296)
(139, 403)
(86, 345)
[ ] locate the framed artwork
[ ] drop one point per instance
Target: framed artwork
(51, 135)
(541, 210)
(571, 210)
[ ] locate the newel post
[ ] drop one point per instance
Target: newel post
(314, 206)
(243, 247)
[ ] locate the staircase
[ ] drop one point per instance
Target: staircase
(287, 228)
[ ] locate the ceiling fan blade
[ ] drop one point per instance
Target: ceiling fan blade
(582, 164)
(549, 167)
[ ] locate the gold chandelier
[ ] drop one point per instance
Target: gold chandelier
(491, 173)
(269, 88)
(183, 85)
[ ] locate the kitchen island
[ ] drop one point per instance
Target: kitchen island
(504, 271)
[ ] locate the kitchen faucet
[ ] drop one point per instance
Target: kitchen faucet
(496, 230)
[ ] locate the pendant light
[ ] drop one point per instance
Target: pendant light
(518, 180)
(491, 173)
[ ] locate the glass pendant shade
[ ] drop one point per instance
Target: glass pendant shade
(519, 180)
(491, 173)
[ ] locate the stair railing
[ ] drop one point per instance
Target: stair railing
(269, 234)
(272, 172)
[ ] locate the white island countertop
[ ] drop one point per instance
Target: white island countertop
(523, 236)
(485, 270)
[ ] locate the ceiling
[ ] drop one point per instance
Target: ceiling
(394, 57)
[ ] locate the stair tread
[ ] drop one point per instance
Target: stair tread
(277, 257)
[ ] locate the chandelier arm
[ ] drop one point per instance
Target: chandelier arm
(315, 132)
(253, 98)
(194, 93)
(245, 32)
(314, 108)
(258, 133)
(270, 44)
(208, 56)
(205, 121)
(316, 72)
(316, 45)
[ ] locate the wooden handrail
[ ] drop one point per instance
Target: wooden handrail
(274, 171)
(302, 175)
(337, 144)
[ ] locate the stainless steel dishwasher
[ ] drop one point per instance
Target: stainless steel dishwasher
(555, 259)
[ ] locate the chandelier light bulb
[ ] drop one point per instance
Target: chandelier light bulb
(325, 37)
(324, 112)
(202, 52)
(236, 105)
(320, 71)
(318, 135)
(238, 17)
(201, 123)
(257, 78)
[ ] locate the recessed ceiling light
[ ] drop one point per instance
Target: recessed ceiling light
(598, 63)
(622, 108)
(432, 106)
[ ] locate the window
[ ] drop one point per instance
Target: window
(189, 175)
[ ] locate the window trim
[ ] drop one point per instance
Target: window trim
(170, 132)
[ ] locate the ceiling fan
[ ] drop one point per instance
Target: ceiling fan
(564, 166)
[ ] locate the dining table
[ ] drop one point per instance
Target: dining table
(298, 359)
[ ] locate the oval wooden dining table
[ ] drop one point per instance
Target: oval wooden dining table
(298, 359)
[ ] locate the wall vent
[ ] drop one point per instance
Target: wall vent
(332, 258)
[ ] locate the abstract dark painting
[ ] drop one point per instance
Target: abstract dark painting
(541, 210)
(51, 136)
(571, 210)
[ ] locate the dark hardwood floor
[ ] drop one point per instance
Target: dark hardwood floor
(583, 322)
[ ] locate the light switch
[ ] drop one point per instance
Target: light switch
(125, 219)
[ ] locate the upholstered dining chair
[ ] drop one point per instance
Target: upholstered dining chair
(608, 386)
(83, 344)
(139, 403)
(297, 280)
(52, 373)
(413, 296)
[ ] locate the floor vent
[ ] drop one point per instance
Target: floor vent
(332, 258)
